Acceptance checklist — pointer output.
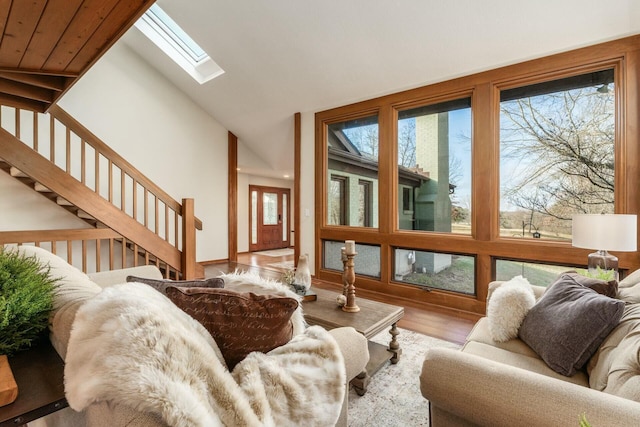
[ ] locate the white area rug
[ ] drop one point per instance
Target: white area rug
(284, 264)
(393, 397)
(276, 252)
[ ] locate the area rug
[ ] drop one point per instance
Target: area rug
(276, 252)
(393, 397)
(284, 265)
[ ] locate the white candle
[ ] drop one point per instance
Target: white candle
(350, 247)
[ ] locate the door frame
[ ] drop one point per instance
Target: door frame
(285, 227)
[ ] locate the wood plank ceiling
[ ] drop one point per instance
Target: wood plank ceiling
(47, 45)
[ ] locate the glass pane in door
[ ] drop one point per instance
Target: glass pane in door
(270, 208)
(284, 218)
(254, 217)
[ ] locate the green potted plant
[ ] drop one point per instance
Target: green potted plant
(583, 421)
(599, 273)
(26, 300)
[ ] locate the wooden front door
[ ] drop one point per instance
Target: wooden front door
(269, 219)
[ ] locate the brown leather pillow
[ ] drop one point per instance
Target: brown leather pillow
(161, 285)
(239, 322)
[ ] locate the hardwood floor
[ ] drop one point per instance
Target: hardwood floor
(438, 322)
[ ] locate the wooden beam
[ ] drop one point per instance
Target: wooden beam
(29, 236)
(22, 90)
(232, 207)
(297, 153)
(23, 103)
(188, 240)
(56, 83)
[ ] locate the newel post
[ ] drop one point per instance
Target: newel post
(188, 240)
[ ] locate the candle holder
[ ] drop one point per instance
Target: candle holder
(349, 278)
(344, 272)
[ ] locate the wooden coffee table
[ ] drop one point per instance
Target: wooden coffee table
(373, 318)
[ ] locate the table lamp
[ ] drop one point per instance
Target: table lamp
(604, 232)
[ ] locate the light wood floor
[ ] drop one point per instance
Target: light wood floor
(435, 321)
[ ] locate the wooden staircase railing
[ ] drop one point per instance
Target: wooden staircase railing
(101, 186)
(90, 249)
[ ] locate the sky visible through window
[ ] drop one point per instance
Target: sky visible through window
(171, 39)
(192, 48)
(460, 146)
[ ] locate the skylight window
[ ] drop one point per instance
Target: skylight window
(165, 33)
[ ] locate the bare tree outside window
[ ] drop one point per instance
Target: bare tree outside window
(557, 156)
(407, 143)
(337, 199)
(365, 138)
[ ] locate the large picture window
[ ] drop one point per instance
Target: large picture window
(477, 178)
(556, 154)
(352, 150)
(434, 165)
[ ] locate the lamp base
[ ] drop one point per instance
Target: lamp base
(601, 261)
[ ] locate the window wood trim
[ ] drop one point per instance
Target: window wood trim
(484, 243)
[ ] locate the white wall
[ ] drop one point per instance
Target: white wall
(306, 234)
(24, 209)
(152, 124)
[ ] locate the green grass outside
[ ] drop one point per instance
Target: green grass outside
(536, 274)
(460, 276)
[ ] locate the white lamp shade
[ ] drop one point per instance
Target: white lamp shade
(606, 232)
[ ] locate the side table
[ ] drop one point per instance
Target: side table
(39, 373)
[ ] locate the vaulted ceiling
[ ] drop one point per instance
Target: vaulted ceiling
(287, 56)
(47, 45)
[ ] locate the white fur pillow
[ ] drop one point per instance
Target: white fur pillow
(508, 307)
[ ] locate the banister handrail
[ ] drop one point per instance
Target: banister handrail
(109, 249)
(87, 136)
(36, 166)
(80, 189)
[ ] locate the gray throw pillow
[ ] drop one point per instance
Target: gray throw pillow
(608, 288)
(568, 324)
(161, 285)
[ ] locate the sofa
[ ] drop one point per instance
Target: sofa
(491, 383)
(76, 289)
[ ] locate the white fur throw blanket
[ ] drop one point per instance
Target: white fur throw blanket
(132, 346)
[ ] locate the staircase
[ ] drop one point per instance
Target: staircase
(131, 221)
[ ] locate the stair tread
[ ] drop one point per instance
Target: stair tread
(85, 215)
(63, 202)
(17, 173)
(41, 188)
